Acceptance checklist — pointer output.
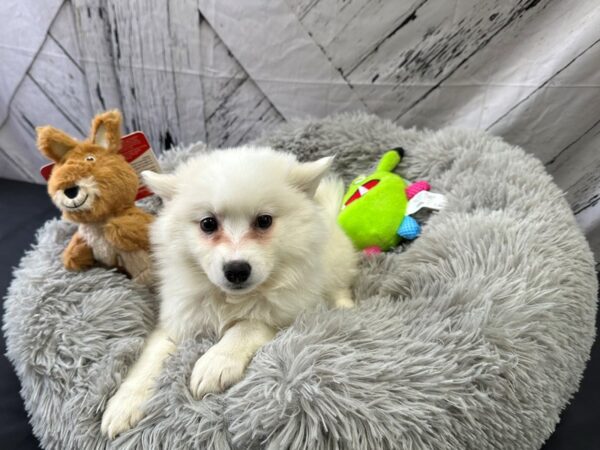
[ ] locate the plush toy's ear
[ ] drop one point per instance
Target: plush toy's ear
(53, 143)
(307, 176)
(106, 130)
(163, 185)
(390, 160)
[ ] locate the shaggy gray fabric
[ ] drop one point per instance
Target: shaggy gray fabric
(474, 336)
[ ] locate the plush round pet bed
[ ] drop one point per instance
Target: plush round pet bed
(473, 336)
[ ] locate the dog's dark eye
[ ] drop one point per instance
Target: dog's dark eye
(264, 221)
(209, 225)
(90, 158)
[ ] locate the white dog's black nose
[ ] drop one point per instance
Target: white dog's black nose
(237, 272)
(72, 191)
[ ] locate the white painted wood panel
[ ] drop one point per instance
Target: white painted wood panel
(93, 35)
(169, 73)
(158, 76)
(62, 81)
(23, 118)
(23, 31)
(225, 71)
(235, 109)
(64, 32)
(293, 73)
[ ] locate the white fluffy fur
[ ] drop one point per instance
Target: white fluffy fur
(301, 261)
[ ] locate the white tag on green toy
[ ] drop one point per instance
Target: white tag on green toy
(425, 199)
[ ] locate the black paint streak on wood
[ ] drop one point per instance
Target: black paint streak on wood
(412, 15)
(108, 31)
(590, 204)
(223, 102)
(517, 14)
(97, 55)
(405, 22)
(421, 62)
(173, 78)
(99, 94)
(17, 165)
(116, 34)
(167, 140)
(31, 127)
(571, 144)
(56, 105)
(310, 6)
(251, 129)
(562, 69)
(531, 4)
(73, 60)
(339, 69)
(585, 192)
(225, 99)
(28, 122)
(407, 57)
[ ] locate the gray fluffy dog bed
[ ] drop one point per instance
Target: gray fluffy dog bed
(474, 336)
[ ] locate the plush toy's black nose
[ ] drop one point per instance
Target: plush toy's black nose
(72, 191)
(237, 271)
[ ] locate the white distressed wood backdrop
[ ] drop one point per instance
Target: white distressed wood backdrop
(223, 71)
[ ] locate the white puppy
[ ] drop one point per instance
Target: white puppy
(247, 240)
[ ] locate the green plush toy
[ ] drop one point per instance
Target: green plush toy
(374, 212)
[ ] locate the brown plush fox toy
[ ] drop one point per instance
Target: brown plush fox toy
(93, 186)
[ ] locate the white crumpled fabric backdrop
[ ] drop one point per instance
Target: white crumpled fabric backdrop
(224, 71)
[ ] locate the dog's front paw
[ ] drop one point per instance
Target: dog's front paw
(215, 371)
(123, 411)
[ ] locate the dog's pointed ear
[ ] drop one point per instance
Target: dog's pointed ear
(106, 130)
(53, 143)
(307, 176)
(163, 185)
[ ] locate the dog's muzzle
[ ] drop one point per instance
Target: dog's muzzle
(77, 197)
(74, 198)
(71, 192)
(237, 273)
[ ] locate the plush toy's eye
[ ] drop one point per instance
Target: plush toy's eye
(209, 225)
(264, 221)
(90, 158)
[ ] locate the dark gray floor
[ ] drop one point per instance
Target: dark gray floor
(24, 207)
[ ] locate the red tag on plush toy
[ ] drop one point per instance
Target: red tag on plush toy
(137, 152)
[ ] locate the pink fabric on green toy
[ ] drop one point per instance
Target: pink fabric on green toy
(417, 187)
(370, 251)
